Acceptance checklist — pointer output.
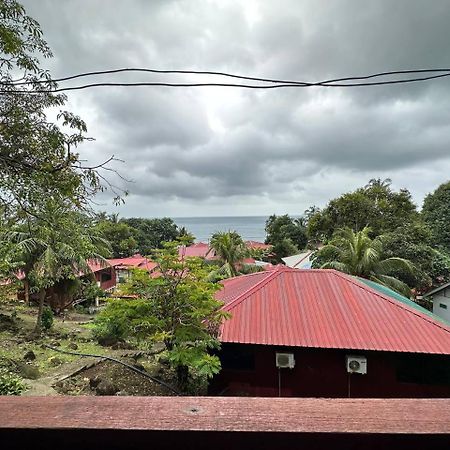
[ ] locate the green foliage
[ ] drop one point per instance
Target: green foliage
(231, 250)
(375, 206)
(38, 157)
(357, 254)
(113, 323)
(10, 384)
(47, 318)
(186, 236)
(287, 235)
(52, 249)
(151, 233)
(436, 213)
(119, 235)
(178, 309)
(88, 290)
(414, 242)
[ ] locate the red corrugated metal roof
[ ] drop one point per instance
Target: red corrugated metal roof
(200, 250)
(136, 261)
(324, 309)
(257, 245)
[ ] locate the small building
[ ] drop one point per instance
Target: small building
(300, 261)
(441, 301)
(104, 274)
(198, 250)
(124, 266)
(321, 333)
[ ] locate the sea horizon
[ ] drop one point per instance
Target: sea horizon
(251, 228)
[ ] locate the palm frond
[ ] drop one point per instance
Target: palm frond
(393, 283)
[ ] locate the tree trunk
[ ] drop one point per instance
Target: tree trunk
(37, 328)
(26, 287)
(182, 377)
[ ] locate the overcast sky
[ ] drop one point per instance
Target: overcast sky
(222, 151)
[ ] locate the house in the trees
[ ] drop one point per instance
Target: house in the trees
(321, 333)
(204, 251)
(441, 301)
(123, 266)
(198, 250)
(104, 274)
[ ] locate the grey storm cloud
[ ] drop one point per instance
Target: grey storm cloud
(253, 151)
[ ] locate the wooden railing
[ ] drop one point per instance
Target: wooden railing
(223, 423)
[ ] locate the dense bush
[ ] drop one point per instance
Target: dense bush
(10, 384)
(47, 318)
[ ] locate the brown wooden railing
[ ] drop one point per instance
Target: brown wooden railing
(223, 423)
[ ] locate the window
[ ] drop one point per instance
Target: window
(106, 276)
(238, 358)
(442, 305)
(421, 369)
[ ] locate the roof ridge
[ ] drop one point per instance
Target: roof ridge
(256, 287)
(391, 300)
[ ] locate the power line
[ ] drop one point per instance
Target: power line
(269, 83)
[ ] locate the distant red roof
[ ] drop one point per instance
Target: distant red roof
(136, 261)
(200, 250)
(96, 265)
(255, 245)
(324, 309)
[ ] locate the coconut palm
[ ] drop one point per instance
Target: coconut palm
(55, 252)
(231, 250)
(357, 254)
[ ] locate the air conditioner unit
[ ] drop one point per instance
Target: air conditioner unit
(285, 360)
(356, 364)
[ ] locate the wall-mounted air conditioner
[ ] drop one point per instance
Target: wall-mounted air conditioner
(285, 360)
(356, 364)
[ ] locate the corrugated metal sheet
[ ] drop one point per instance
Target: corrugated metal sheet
(136, 261)
(325, 309)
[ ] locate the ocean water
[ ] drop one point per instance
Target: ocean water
(250, 228)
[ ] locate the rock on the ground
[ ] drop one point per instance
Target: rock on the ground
(55, 344)
(55, 361)
(7, 323)
(28, 371)
(122, 346)
(29, 356)
(94, 382)
(107, 341)
(73, 346)
(105, 387)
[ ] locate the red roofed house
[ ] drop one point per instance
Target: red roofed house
(199, 250)
(321, 333)
(104, 274)
(123, 266)
(255, 245)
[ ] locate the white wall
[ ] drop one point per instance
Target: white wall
(440, 300)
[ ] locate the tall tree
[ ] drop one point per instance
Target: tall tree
(120, 236)
(375, 205)
(151, 233)
(414, 243)
(231, 250)
(55, 247)
(178, 308)
(38, 158)
(436, 213)
(355, 253)
(286, 234)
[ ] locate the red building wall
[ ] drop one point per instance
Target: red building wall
(106, 277)
(321, 373)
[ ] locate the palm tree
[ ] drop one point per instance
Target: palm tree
(231, 250)
(357, 254)
(57, 251)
